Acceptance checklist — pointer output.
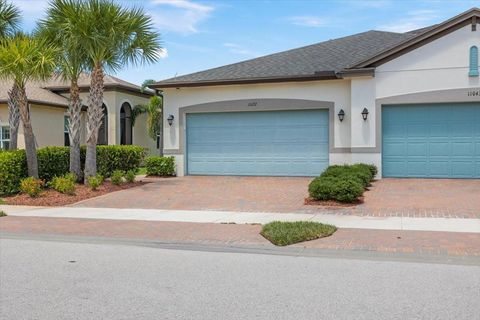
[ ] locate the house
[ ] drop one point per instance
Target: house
(406, 102)
(49, 103)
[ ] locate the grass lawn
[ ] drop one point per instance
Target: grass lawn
(285, 233)
(142, 170)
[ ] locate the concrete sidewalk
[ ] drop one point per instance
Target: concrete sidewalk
(341, 221)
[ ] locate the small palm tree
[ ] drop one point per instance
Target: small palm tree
(9, 19)
(26, 58)
(59, 27)
(9, 23)
(154, 111)
(111, 36)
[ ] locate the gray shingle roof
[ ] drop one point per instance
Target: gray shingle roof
(35, 94)
(329, 56)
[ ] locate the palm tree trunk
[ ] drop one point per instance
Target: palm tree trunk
(74, 114)
(30, 145)
(95, 116)
(13, 116)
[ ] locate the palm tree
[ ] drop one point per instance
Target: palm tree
(9, 22)
(26, 58)
(60, 29)
(9, 19)
(154, 111)
(111, 36)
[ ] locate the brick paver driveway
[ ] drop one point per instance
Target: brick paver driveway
(387, 197)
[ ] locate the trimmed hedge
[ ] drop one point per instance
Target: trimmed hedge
(54, 162)
(342, 183)
(160, 166)
(13, 167)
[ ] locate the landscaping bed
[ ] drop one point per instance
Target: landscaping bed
(285, 233)
(52, 198)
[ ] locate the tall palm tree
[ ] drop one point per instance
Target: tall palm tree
(26, 58)
(111, 36)
(59, 27)
(9, 23)
(9, 19)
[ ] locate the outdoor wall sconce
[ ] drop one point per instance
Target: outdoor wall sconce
(341, 115)
(365, 114)
(170, 119)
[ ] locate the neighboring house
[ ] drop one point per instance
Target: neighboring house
(295, 112)
(49, 103)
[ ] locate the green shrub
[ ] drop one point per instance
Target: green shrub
(369, 167)
(343, 189)
(355, 172)
(160, 166)
(130, 176)
(53, 162)
(31, 186)
(2, 213)
(125, 158)
(13, 168)
(95, 181)
(117, 177)
(64, 184)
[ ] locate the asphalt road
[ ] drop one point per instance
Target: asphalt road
(61, 280)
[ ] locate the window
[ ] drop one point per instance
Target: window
(66, 135)
(4, 137)
(473, 62)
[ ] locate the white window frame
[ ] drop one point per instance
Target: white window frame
(2, 138)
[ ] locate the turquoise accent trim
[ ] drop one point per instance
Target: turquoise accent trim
(473, 62)
(431, 140)
(263, 143)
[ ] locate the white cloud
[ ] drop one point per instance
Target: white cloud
(180, 16)
(162, 53)
(308, 21)
(238, 49)
(414, 20)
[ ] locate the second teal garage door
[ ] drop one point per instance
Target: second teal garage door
(431, 140)
(270, 143)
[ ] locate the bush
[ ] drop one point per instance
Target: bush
(117, 177)
(31, 186)
(160, 166)
(130, 176)
(355, 172)
(2, 213)
(53, 162)
(285, 233)
(343, 189)
(370, 167)
(125, 158)
(64, 184)
(13, 168)
(95, 181)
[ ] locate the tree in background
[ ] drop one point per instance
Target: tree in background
(111, 36)
(154, 111)
(24, 58)
(59, 28)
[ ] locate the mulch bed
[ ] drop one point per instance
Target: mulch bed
(52, 198)
(332, 203)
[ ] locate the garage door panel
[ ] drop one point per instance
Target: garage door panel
(258, 143)
(441, 140)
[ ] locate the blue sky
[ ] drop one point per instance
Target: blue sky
(198, 35)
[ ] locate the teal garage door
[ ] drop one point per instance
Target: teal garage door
(269, 143)
(431, 140)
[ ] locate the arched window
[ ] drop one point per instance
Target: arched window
(126, 124)
(473, 62)
(103, 130)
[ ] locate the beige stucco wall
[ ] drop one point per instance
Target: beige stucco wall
(47, 123)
